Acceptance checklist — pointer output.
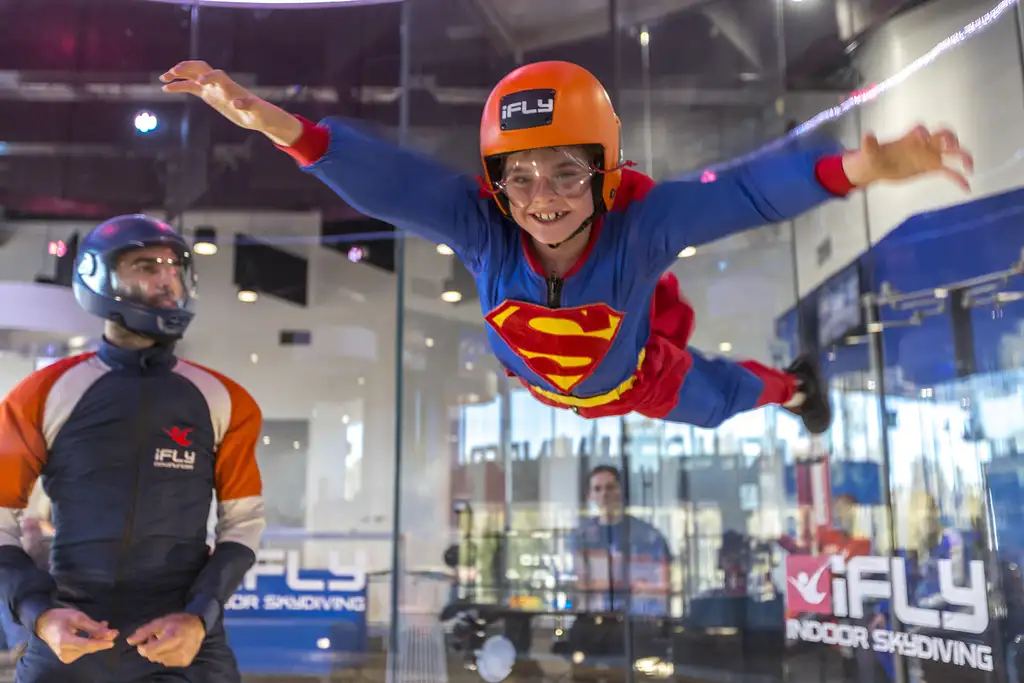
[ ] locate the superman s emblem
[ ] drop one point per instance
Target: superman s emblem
(562, 345)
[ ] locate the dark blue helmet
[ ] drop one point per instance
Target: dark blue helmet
(137, 272)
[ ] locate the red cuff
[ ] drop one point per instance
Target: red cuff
(829, 172)
(311, 145)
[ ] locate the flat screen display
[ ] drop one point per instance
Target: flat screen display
(839, 308)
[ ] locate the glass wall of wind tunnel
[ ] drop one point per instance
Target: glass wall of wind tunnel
(926, 372)
(43, 165)
(701, 89)
(285, 306)
(317, 346)
(492, 481)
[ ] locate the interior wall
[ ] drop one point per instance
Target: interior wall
(976, 88)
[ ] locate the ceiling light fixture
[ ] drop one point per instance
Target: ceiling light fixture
(280, 4)
(206, 241)
(146, 122)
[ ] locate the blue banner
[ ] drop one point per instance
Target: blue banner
(285, 620)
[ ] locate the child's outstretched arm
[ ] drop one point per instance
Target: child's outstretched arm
(778, 187)
(378, 179)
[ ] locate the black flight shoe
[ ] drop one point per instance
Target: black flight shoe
(816, 410)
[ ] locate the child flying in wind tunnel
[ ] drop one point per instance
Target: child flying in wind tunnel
(569, 247)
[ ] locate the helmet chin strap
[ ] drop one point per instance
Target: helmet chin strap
(157, 339)
(578, 231)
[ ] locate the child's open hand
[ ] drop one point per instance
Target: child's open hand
(917, 153)
(232, 101)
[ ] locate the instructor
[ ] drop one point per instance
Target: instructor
(131, 443)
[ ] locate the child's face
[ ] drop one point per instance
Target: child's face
(549, 191)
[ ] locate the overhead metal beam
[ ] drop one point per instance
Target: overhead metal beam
(494, 26)
(664, 92)
(225, 153)
(665, 96)
(550, 30)
(726, 19)
(39, 87)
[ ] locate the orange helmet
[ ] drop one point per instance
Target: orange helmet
(552, 104)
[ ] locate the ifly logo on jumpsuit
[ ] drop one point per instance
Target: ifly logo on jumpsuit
(172, 458)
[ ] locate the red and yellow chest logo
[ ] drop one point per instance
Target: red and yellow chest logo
(562, 345)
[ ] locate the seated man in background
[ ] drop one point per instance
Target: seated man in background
(622, 563)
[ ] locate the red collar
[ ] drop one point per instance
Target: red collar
(534, 260)
(633, 188)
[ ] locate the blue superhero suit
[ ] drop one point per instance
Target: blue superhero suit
(611, 336)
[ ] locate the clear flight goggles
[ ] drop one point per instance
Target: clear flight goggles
(557, 170)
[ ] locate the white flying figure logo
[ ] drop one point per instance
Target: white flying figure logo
(807, 586)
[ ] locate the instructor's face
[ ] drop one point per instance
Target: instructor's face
(151, 276)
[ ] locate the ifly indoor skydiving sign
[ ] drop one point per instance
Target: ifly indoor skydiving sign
(848, 589)
(286, 619)
(278, 583)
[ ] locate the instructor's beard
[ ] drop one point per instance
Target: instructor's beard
(121, 337)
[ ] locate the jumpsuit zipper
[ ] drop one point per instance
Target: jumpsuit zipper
(555, 292)
(141, 442)
(555, 301)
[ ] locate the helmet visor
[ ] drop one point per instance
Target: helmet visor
(562, 171)
(155, 276)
